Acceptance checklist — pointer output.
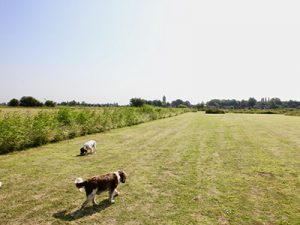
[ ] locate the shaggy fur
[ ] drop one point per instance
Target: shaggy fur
(99, 184)
(88, 147)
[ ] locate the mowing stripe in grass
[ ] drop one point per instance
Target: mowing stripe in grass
(191, 169)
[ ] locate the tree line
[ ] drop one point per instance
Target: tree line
(264, 103)
(29, 101)
(251, 103)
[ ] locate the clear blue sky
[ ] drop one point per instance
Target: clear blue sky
(111, 51)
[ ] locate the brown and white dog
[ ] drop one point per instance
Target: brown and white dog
(98, 184)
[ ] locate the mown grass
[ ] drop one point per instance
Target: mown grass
(195, 168)
(21, 128)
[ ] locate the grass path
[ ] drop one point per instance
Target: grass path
(190, 169)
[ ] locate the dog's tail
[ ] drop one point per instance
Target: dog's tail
(80, 184)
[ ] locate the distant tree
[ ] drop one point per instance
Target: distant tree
(157, 103)
(214, 103)
(50, 103)
(200, 106)
(28, 101)
(233, 104)
(188, 104)
(275, 103)
(177, 103)
(164, 100)
(137, 102)
(252, 102)
(73, 103)
(244, 104)
(13, 102)
(64, 103)
(292, 104)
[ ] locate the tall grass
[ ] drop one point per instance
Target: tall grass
(19, 131)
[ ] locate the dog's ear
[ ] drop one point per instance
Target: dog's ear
(123, 176)
(82, 151)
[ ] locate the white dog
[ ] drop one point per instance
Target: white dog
(89, 146)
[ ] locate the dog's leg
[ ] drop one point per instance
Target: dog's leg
(94, 202)
(90, 149)
(111, 196)
(93, 147)
(89, 198)
(116, 193)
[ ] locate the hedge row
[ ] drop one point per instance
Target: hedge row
(19, 131)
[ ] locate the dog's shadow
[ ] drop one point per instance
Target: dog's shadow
(79, 155)
(87, 211)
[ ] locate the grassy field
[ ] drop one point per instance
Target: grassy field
(191, 169)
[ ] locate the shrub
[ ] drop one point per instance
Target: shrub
(214, 111)
(182, 106)
(266, 112)
(64, 116)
